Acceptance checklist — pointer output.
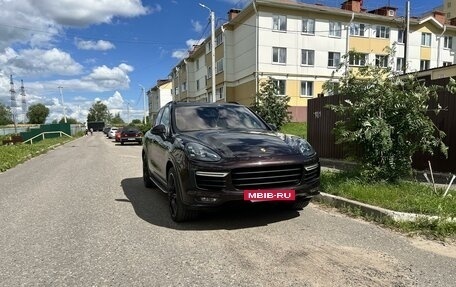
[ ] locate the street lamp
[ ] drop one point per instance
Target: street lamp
(214, 96)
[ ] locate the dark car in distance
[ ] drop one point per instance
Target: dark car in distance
(130, 134)
(204, 155)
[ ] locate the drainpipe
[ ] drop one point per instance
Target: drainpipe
(347, 42)
(439, 40)
(256, 73)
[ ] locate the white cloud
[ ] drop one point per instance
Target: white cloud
(100, 45)
(183, 53)
(38, 62)
(197, 27)
(87, 12)
(115, 101)
(107, 79)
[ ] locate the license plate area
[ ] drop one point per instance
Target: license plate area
(270, 195)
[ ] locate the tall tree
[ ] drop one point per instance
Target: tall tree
(98, 112)
(5, 115)
(69, 121)
(271, 106)
(37, 113)
(117, 120)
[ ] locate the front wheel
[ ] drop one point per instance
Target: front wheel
(178, 210)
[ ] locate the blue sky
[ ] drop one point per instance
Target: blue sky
(107, 49)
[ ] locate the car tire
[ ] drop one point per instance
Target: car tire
(178, 210)
(146, 176)
(298, 204)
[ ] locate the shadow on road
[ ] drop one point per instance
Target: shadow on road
(151, 205)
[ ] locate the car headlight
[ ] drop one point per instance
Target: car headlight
(301, 145)
(199, 152)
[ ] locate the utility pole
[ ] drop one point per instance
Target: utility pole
(144, 102)
(128, 112)
(13, 103)
(24, 102)
(212, 14)
(406, 35)
(63, 105)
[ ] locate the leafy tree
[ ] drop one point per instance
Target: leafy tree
(117, 120)
(37, 114)
(270, 106)
(69, 121)
(136, 122)
(5, 115)
(98, 112)
(385, 117)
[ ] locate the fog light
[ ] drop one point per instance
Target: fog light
(208, 199)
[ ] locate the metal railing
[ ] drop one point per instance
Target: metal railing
(43, 134)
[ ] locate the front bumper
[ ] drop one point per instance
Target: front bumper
(209, 186)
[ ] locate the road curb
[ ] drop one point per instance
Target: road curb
(374, 211)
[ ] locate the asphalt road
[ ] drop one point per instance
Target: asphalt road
(80, 216)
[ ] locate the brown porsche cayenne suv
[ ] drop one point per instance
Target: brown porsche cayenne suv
(206, 154)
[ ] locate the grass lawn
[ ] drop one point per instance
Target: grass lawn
(299, 129)
(411, 197)
(12, 155)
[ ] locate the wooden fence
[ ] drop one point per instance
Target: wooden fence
(321, 120)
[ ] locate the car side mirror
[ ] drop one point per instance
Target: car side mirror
(159, 130)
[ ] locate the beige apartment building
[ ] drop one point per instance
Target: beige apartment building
(302, 45)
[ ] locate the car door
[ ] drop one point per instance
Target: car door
(158, 147)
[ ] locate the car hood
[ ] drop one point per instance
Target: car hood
(232, 143)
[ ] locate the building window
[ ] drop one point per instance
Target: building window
(400, 64)
(279, 23)
(209, 97)
(448, 42)
(280, 85)
(381, 61)
(357, 29)
(382, 32)
(357, 59)
(306, 88)
(219, 39)
(400, 36)
(447, 64)
(197, 64)
(208, 47)
(308, 26)
(184, 86)
(197, 85)
(279, 55)
(209, 72)
(219, 66)
(333, 59)
(307, 57)
(425, 64)
(219, 93)
(335, 29)
(426, 39)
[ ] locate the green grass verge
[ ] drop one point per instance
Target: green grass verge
(12, 155)
(404, 196)
(298, 129)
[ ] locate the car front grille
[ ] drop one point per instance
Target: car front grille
(267, 177)
(264, 177)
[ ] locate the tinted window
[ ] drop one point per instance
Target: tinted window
(192, 118)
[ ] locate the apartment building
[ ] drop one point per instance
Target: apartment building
(301, 46)
(158, 96)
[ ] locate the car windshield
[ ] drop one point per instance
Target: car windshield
(194, 118)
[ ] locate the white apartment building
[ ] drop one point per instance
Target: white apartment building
(301, 46)
(158, 96)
